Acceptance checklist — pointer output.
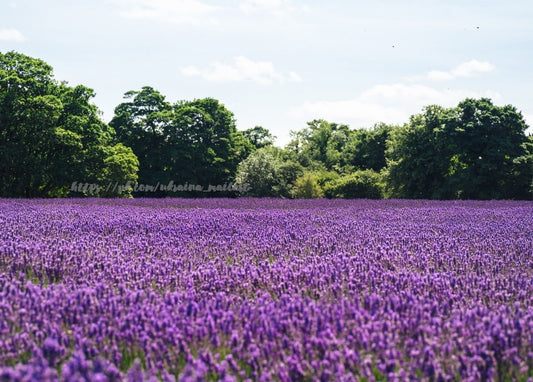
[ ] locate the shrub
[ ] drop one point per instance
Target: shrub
(364, 184)
(307, 187)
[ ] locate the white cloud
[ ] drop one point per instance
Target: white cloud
(437, 75)
(189, 12)
(355, 112)
(472, 68)
(11, 35)
(420, 95)
(392, 104)
(242, 70)
(466, 69)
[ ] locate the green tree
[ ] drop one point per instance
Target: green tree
(474, 151)
(260, 171)
(259, 136)
(335, 158)
(418, 156)
(120, 167)
(140, 124)
(366, 148)
(50, 133)
(193, 142)
(323, 177)
(288, 172)
(307, 187)
(227, 143)
(320, 145)
(490, 154)
(366, 184)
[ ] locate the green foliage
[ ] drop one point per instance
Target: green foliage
(288, 172)
(323, 177)
(50, 133)
(474, 151)
(332, 147)
(269, 172)
(259, 137)
(418, 156)
(320, 145)
(260, 172)
(490, 157)
(193, 142)
(140, 124)
(129, 354)
(366, 148)
(307, 187)
(120, 166)
(365, 184)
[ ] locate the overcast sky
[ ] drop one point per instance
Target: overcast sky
(281, 63)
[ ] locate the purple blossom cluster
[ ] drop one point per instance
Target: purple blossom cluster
(265, 289)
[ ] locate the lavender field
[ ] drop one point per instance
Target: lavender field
(283, 290)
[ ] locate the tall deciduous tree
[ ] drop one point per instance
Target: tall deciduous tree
(366, 148)
(268, 172)
(474, 151)
(194, 142)
(490, 157)
(50, 133)
(259, 136)
(141, 124)
(418, 156)
(320, 144)
(259, 173)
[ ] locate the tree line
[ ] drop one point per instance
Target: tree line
(53, 143)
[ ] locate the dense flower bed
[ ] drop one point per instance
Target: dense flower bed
(223, 289)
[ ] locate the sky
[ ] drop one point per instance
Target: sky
(282, 63)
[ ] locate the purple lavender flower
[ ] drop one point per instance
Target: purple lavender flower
(259, 289)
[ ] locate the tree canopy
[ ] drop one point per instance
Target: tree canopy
(53, 143)
(476, 150)
(51, 135)
(259, 136)
(194, 142)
